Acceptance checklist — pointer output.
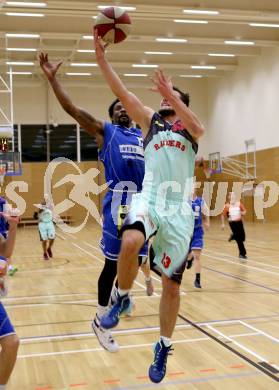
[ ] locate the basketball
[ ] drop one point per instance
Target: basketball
(113, 24)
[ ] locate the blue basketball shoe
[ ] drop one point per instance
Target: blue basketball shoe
(111, 318)
(157, 370)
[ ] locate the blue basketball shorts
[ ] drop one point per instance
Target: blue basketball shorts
(6, 327)
(197, 240)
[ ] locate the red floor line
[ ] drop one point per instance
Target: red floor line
(238, 366)
(176, 373)
(142, 377)
(109, 381)
(208, 370)
(78, 384)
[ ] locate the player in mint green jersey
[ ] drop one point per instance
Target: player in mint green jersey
(163, 207)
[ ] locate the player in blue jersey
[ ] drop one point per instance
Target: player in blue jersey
(4, 230)
(9, 341)
(170, 145)
(121, 151)
(199, 208)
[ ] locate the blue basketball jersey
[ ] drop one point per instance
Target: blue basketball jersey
(122, 155)
(123, 158)
(4, 226)
(197, 205)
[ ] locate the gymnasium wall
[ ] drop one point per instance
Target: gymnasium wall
(267, 170)
(244, 105)
(34, 102)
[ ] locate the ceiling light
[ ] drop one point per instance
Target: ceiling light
(83, 64)
(264, 25)
(24, 14)
(194, 76)
(25, 4)
(123, 7)
(20, 49)
(11, 35)
(164, 53)
(144, 66)
(20, 73)
(200, 12)
(203, 67)
(244, 43)
(85, 51)
(221, 55)
(190, 21)
(135, 74)
(19, 63)
(78, 74)
(178, 40)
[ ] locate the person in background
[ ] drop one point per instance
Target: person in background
(199, 208)
(234, 210)
(4, 229)
(9, 341)
(46, 229)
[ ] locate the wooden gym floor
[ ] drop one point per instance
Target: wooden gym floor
(226, 336)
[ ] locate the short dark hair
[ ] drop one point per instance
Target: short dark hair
(111, 107)
(185, 97)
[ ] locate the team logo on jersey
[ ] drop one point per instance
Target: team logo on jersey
(166, 261)
(170, 143)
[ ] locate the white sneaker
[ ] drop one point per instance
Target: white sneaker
(104, 336)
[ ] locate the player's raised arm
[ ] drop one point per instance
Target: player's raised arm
(134, 107)
(90, 124)
(163, 85)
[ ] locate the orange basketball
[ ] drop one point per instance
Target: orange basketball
(113, 24)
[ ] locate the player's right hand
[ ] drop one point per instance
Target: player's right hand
(48, 68)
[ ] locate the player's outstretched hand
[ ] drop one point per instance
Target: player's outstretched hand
(48, 68)
(162, 84)
(99, 46)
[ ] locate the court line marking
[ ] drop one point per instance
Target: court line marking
(227, 275)
(237, 258)
(240, 264)
(98, 349)
(31, 340)
(260, 331)
(237, 343)
(167, 384)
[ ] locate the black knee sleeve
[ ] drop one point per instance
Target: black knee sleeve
(106, 280)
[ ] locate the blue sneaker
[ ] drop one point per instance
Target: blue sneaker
(157, 370)
(111, 318)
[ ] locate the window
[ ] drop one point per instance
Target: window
(88, 146)
(63, 142)
(34, 143)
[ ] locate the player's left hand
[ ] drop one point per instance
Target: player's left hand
(162, 84)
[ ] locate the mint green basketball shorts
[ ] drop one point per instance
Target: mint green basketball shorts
(172, 227)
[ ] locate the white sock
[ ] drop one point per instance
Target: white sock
(101, 310)
(9, 268)
(166, 341)
(148, 279)
(122, 292)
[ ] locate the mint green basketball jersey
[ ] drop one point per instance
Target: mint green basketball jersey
(169, 154)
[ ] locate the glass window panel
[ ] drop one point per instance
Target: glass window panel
(34, 143)
(63, 142)
(88, 146)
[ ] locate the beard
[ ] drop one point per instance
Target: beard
(124, 121)
(165, 112)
